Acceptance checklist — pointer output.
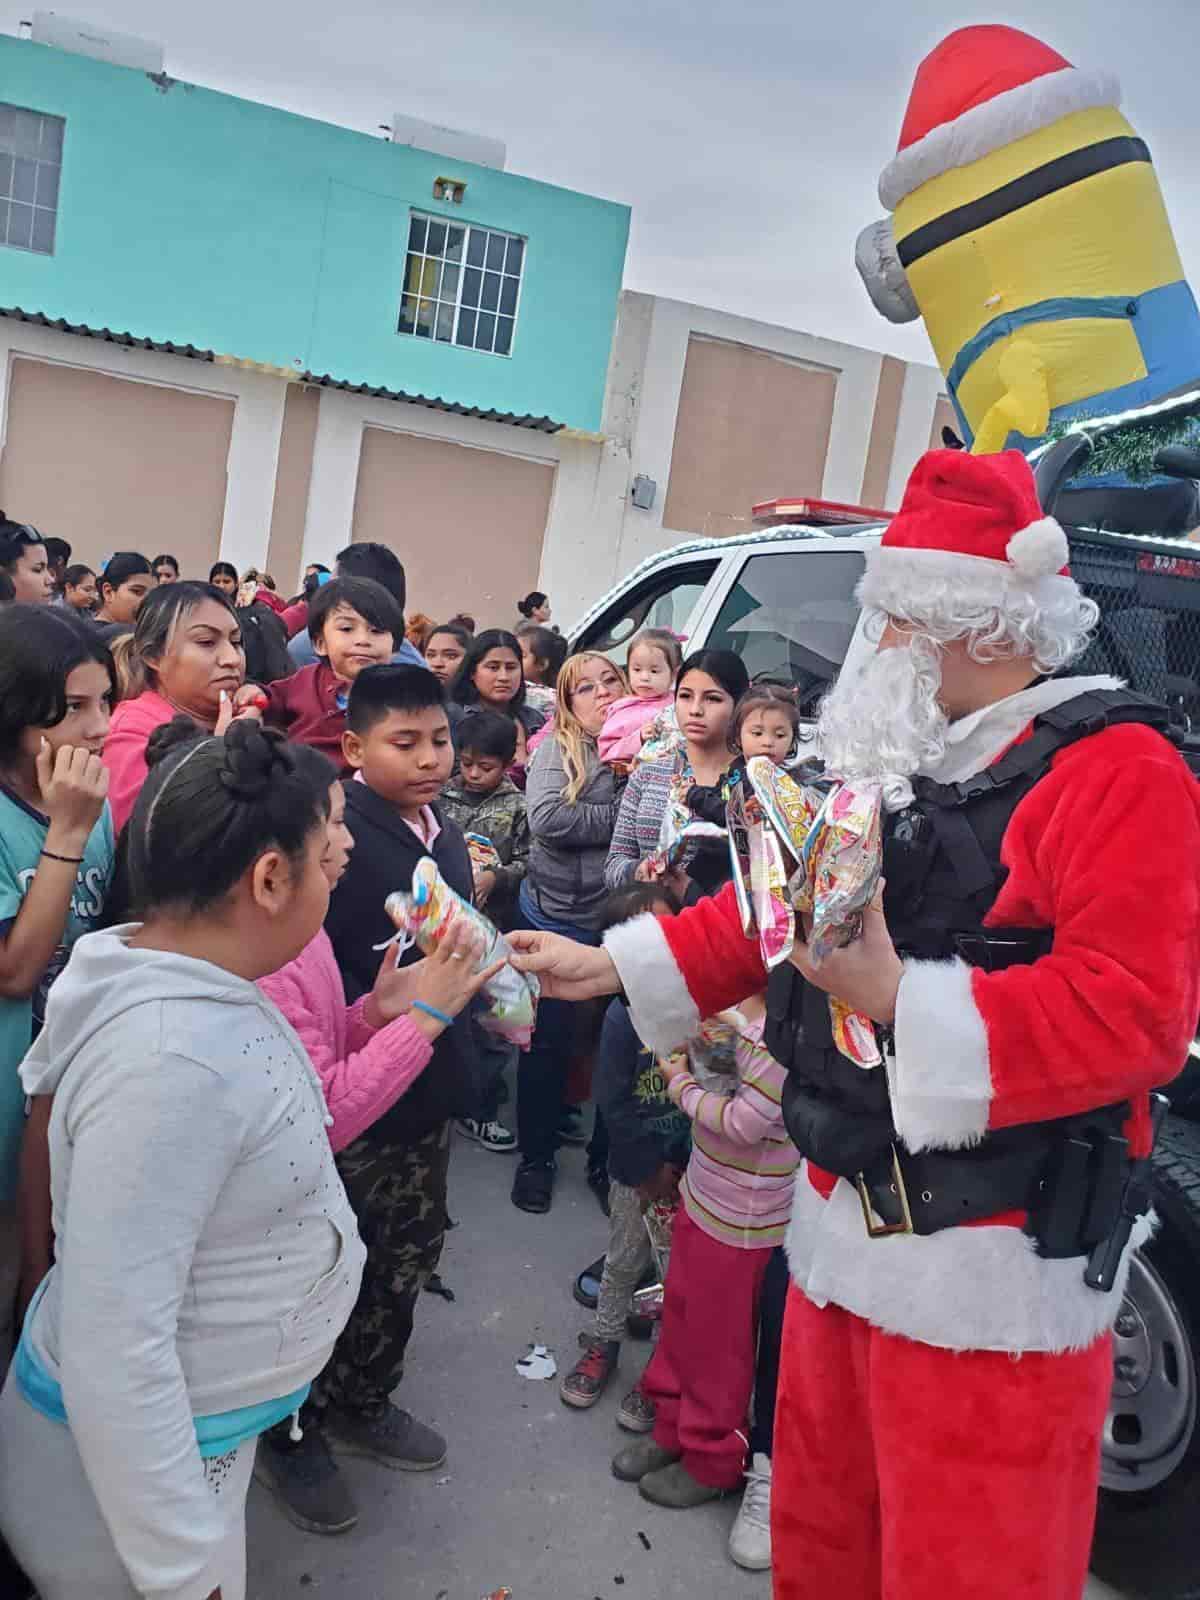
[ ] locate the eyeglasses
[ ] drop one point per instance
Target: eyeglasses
(584, 690)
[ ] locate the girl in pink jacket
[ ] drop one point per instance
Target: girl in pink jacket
(654, 659)
(367, 1054)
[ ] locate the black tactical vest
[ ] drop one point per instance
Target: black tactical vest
(941, 862)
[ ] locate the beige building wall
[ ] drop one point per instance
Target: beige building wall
(467, 523)
(885, 420)
(109, 464)
(943, 417)
(301, 411)
(751, 425)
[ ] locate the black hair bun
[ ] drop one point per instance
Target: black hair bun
(170, 736)
(254, 756)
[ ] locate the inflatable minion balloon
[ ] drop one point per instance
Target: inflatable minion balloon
(1028, 229)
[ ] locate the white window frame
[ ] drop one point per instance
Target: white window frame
(441, 269)
(9, 151)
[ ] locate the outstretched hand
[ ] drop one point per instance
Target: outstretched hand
(865, 974)
(565, 970)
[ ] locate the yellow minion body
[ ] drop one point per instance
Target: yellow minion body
(1028, 266)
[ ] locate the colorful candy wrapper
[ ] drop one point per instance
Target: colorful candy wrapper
(660, 1225)
(427, 913)
(710, 1052)
(843, 854)
(662, 738)
(797, 849)
(483, 853)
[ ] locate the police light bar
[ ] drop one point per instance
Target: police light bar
(820, 513)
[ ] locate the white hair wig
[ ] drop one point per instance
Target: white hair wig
(999, 613)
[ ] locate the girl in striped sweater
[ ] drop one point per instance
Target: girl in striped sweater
(736, 1200)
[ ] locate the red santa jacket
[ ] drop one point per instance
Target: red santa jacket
(305, 706)
(1105, 850)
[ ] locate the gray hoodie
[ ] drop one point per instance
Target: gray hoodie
(207, 1257)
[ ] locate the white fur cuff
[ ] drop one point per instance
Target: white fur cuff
(939, 1078)
(661, 1009)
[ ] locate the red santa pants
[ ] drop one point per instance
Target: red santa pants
(902, 1471)
(702, 1370)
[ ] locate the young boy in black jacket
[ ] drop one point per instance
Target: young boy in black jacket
(398, 740)
(649, 1145)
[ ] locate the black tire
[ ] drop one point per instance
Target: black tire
(1148, 1539)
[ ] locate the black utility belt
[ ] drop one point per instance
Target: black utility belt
(1068, 1177)
(990, 949)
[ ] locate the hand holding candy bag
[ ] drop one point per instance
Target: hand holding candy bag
(797, 850)
(428, 912)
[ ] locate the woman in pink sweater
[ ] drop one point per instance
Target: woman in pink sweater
(367, 1054)
(186, 656)
(736, 1200)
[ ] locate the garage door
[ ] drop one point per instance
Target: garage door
(109, 464)
(752, 425)
(468, 524)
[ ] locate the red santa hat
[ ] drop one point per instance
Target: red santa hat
(970, 531)
(980, 89)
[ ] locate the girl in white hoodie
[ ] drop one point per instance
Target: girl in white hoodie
(206, 1255)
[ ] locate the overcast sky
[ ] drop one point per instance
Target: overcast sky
(748, 137)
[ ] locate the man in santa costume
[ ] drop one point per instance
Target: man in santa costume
(1033, 970)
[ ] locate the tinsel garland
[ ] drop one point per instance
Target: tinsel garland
(1131, 448)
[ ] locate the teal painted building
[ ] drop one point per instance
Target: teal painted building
(155, 208)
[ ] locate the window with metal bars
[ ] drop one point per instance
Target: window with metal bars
(31, 145)
(462, 285)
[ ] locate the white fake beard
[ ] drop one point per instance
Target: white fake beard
(884, 723)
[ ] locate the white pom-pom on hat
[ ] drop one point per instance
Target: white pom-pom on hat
(1039, 550)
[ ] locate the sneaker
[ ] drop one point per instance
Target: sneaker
(570, 1127)
(491, 1135)
(599, 1183)
(304, 1478)
(533, 1186)
(591, 1374)
(674, 1487)
(633, 1463)
(393, 1438)
(750, 1539)
(637, 1412)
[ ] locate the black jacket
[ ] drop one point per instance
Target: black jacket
(385, 852)
(644, 1127)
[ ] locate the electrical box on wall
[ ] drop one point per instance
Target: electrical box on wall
(643, 491)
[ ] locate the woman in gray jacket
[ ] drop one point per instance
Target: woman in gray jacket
(572, 801)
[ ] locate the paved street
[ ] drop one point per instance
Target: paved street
(526, 1499)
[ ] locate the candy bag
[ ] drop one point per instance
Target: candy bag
(427, 913)
(844, 855)
(483, 853)
(710, 1053)
(660, 1225)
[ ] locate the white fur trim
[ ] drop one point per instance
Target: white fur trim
(1039, 550)
(660, 1007)
(881, 271)
(1000, 121)
(939, 1078)
(895, 578)
(961, 1289)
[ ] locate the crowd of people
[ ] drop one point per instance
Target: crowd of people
(223, 834)
(207, 792)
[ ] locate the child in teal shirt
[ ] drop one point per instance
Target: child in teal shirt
(57, 686)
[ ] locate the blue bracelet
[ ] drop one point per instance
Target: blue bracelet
(431, 1011)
